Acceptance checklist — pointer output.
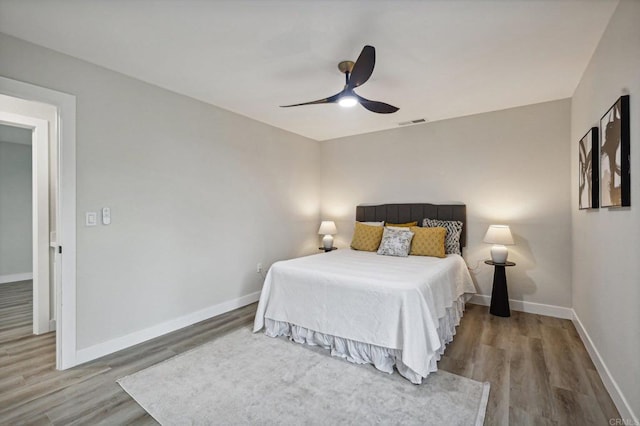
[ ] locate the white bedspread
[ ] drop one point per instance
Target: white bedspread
(386, 301)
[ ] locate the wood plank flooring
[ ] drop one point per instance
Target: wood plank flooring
(540, 372)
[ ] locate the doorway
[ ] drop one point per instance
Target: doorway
(54, 306)
(24, 144)
(38, 129)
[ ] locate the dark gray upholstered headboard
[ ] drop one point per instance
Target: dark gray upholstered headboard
(402, 213)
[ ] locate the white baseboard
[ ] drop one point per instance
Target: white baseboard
(528, 307)
(12, 278)
(626, 413)
(114, 345)
(52, 325)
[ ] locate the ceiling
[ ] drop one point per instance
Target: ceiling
(435, 59)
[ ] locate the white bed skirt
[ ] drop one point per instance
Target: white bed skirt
(384, 359)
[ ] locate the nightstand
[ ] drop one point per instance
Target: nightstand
(499, 294)
(327, 250)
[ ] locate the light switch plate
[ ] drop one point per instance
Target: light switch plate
(91, 219)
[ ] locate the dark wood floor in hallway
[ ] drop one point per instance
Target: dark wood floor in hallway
(540, 372)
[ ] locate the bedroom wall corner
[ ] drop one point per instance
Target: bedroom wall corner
(606, 242)
(507, 166)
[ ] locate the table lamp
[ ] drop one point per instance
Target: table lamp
(499, 236)
(328, 228)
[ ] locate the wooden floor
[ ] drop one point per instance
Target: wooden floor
(540, 372)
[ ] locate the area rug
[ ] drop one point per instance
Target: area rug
(247, 378)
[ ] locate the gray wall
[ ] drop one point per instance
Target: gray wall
(606, 242)
(507, 166)
(198, 196)
(16, 252)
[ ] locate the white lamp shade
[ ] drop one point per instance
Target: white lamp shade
(499, 234)
(327, 227)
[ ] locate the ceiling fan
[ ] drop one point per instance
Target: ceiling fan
(356, 74)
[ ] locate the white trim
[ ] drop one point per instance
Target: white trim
(65, 292)
(41, 278)
(609, 382)
(528, 307)
(52, 325)
(119, 343)
(14, 278)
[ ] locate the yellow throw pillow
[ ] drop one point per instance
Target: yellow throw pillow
(366, 237)
(428, 241)
(402, 225)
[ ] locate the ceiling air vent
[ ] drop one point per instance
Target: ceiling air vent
(416, 121)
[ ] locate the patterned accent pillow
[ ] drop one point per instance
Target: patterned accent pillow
(366, 237)
(395, 242)
(454, 230)
(428, 242)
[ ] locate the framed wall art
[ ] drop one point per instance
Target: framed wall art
(615, 178)
(588, 170)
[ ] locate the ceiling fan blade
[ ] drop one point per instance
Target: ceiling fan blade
(363, 68)
(375, 106)
(329, 100)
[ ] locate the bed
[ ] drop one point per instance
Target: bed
(392, 312)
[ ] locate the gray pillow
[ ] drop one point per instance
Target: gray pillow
(454, 230)
(395, 242)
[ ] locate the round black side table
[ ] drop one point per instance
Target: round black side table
(499, 294)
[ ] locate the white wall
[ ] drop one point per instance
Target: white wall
(15, 208)
(606, 242)
(198, 196)
(507, 166)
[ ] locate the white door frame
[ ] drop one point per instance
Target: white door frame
(65, 297)
(40, 215)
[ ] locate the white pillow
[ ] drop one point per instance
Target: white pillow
(395, 242)
(373, 223)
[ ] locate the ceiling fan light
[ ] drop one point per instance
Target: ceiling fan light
(347, 101)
